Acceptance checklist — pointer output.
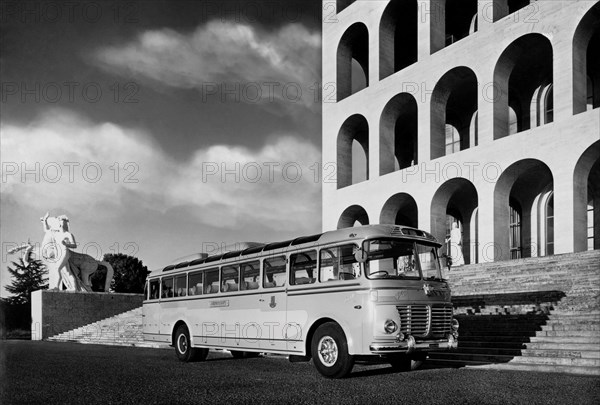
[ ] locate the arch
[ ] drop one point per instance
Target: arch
(342, 4)
(460, 16)
(353, 46)
(398, 36)
(542, 107)
(517, 191)
(400, 209)
(586, 193)
(453, 102)
(586, 62)
(523, 67)
(516, 5)
(502, 8)
(352, 216)
(355, 128)
(398, 134)
(457, 199)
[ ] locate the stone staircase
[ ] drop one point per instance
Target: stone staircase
(540, 314)
(124, 329)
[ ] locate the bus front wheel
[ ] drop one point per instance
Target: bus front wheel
(183, 346)
(329, 350)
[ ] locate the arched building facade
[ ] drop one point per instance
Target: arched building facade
(482, 113)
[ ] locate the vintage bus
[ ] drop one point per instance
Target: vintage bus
(374, 290)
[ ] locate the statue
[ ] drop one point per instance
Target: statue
(455, 240)
(67, 268)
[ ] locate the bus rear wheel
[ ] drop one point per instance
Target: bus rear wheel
(183, 346)
(329, 350)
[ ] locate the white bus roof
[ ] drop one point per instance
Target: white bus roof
(338, 235)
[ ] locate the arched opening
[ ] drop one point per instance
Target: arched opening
(516, 5)
(398, 37)
(524, 211)
(456, 202)
(354, 215)
(461, 16)
(353, 61)
(586, 204)
(586, 62)
(399, 134)
(453, 112)
(400, 209)
(352, 150)
(342, 4)
(523, 81)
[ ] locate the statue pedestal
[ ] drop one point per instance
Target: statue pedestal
(54, 312)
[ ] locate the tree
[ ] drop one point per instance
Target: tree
(27, 276)
(130, 273)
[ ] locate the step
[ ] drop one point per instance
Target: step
(572, 327)
(497, 345)
(561, 346)
(590, 353)
(584, 336)
(564, 361)
(469, 357)
(580, 370)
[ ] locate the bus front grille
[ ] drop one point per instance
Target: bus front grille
(425, 320)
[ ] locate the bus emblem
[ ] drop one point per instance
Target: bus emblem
(272, 304)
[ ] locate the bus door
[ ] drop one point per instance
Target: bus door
(272, 304)
(303, 276)
(151, 311)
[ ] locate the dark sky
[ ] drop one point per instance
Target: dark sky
(184, 123)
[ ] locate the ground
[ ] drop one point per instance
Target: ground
(72, 373)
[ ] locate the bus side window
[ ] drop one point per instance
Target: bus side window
(249, 273)
(212, 281)
(338, 263)
(154, 287)
(180, 286)
(195, 283)
(302, 267)
(274, 272)
(167, 287)
(230, 278)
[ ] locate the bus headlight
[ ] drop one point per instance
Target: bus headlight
(455, 324)
(390, 326)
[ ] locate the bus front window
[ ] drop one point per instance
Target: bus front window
(389, 258)
(430, 265)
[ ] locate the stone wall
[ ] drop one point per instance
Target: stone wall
(53, 312)
(573, 279)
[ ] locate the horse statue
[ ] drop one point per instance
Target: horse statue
(66, 268)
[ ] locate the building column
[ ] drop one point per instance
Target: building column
(564, 206)
(485, 15)
(488, 250)
(562, 76)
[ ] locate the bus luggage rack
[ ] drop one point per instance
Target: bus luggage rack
(425, 320)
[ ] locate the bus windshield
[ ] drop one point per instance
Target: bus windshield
(400, 259)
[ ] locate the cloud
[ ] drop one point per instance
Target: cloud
(65, 161)
(223, 52)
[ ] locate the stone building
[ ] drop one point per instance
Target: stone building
(480, 112)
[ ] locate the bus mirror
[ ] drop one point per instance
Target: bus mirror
(360, 255)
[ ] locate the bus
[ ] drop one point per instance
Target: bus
(373, 291)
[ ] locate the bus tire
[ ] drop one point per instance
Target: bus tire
(183, 346)
(329, 350)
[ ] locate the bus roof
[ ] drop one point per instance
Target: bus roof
(338, 235)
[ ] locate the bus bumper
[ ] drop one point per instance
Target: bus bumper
(410, 345)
